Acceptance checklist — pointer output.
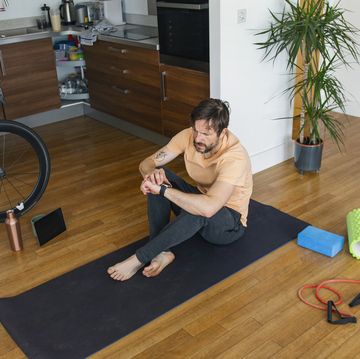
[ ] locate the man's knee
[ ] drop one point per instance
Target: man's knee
(155, 201)
(193, 218)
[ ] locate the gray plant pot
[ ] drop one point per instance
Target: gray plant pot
(308, 157)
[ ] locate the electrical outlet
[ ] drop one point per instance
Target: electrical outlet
(241, 16)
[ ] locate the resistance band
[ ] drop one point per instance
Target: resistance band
(330, 306)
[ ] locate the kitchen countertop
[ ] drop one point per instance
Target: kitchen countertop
(151, 43)
(33, 33)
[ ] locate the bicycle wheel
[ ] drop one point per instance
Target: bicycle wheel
(24, 168)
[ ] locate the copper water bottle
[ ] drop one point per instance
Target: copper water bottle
(13, 228)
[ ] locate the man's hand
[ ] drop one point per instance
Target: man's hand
(195, 203)
(153, 180)
(149, 187)
(157, 177)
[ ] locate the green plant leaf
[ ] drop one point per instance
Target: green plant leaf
(325, 39)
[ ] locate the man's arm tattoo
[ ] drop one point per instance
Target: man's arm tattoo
(160, 156)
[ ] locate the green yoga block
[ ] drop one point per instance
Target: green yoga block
(353, 227)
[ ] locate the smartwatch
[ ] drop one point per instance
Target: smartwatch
(163, 188)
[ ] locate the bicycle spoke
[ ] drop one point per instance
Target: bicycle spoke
(23, 173)
(17, 160)
(18, 179)
(16, 190)
(6, 194)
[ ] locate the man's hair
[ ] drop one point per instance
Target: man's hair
(214, 111)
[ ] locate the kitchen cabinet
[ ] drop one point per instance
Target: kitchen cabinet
(72, 84)
(28, 78)
(124, 81)
(182, 89)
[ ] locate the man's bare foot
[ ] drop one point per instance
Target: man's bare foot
(125, 269)
(158, 264)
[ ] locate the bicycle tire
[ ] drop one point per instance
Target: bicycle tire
(43, 157)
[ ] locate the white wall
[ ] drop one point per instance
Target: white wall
(252, 87)
(136, 7)
(350, 77)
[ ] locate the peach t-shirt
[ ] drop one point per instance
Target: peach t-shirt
(230, 164)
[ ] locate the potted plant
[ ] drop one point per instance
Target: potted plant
(317, 39)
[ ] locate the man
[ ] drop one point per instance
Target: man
(216, 208)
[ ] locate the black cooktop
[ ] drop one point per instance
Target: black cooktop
(138, 33)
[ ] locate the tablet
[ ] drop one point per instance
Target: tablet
(49, 226)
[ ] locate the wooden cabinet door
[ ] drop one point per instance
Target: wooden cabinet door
(124, 81)
(119, 52)
(28, 78)
(182, 90)
(133, 104)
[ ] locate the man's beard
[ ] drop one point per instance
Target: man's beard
(202, 148)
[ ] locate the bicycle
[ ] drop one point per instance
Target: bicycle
(24, 168)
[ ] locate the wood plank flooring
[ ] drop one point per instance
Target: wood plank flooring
(254, 313)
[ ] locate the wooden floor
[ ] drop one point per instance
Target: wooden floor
(253, 314)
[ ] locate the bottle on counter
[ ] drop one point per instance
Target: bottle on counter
(45, 16)
(14, 232)
(55, 19)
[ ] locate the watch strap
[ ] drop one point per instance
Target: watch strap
(163, 188)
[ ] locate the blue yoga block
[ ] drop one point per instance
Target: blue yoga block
(321, 241)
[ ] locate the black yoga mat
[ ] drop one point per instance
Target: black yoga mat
(83, 311)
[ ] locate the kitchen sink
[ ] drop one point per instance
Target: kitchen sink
(21, 31)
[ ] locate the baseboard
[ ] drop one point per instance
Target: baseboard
(127, 126)
(272, 156)
(72, 110)
(45, 118)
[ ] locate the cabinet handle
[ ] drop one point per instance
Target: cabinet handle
(122, 91)
(163, 86)
(114, 68)
(2, 64)
(115, 49)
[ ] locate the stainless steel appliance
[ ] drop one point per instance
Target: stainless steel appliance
(184, 33)
(93, 11)
(81, 15)
(67, 12)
